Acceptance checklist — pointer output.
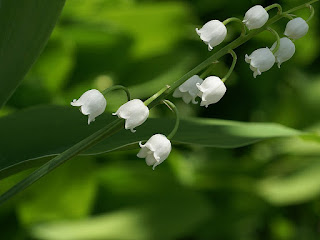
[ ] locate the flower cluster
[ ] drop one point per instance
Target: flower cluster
(135, 113)
(214, 32)
(209, 88)
(262, 59)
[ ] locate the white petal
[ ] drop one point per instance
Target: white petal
(255, 17)
(296, 28)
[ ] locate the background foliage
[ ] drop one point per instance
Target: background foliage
(269, 190)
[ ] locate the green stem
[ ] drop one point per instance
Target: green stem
(311, 13)
(117, 87)
(156, 96)
(234, 61)
(234, 19)
(173, 108)
(301, 6)
(117, 125)
(276, 5)
(278, 39)
(209, 70)
(289, 16)
(86, 143)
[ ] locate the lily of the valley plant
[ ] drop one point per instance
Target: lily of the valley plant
(197, 83)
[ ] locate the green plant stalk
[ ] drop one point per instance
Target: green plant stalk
(117, 125)
(276, 5)
(117, 87)
(311, 13)
(274, 32)
(234, 19)
(173, 108)
(234, 61)
(207, 71)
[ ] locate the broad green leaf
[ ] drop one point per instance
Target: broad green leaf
(29, 135)
(25, 27)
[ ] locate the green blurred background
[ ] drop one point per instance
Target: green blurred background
(269, 190)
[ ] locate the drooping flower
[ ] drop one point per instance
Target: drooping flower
(91, 103)
(296, 28)
(134, 112)
(211, 90)
(285, 51)
(255, 17)
(155, 150)
(188, 90)
(260, 60)
(212, 33)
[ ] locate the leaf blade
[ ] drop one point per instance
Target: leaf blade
(25, 28)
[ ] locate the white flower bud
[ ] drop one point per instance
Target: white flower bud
(91, 103)
(211, 90)
(285, 51)
(212, 33)
(260, 60)
(155, 150)
(296, 28)
(255, 17)
(188, 90)
(134, 112)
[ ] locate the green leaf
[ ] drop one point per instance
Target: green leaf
(29, 135)
(25, 27)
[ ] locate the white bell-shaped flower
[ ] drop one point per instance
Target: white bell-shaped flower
(188, 90)
(255, 17)
(134, 112)
(212, 33)
(285, 51)
(91, 103)
(296, 28)
(211, 90)
(260, 60)
(155, 150)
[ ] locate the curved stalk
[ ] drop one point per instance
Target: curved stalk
(278, 39)
(234, 61)
(276, 5)
(173, 108)
(234, 19)
(117, 87)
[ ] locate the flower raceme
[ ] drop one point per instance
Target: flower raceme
(260, 60)
(285, 52)
(255, 17)
(188, 90)
(91, 103)
(134, 112)
(211, 90)
(212, 33)
(155, 150)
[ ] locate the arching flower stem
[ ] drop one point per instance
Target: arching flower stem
(173, 108)
(117, 87)
(234, 61)
(276, 5)
(234, 19)
(208, 70)
(311, 13)
(277, 37)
